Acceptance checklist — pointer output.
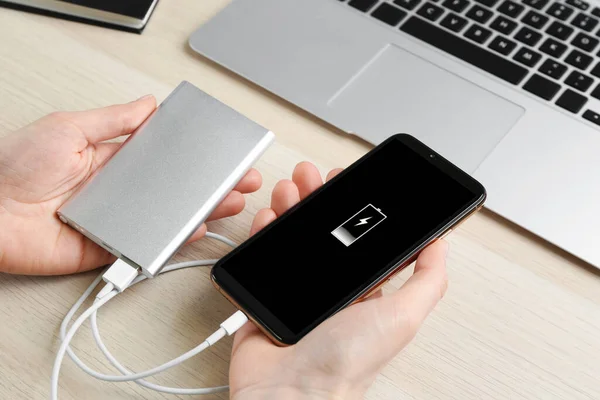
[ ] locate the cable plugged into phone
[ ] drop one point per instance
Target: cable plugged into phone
(118, 277)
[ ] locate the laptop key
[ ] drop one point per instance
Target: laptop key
(456, 5)
(596, 92)
(560, 11)
(579, 81)
(535, 19)
(528, 36)
(584, 22)
(407, 4)
(553, 48)
(553, 69)
(478, 33)
(453, 22)
(430, 11)
(527, 57)
(511, 9)
(582, 5)
(362, 5)
(503, 25)
(489, 3)
(502, 45)
(389, 14)
(592, 117)
(571, 101)
(542, 87)
(585, 42)
(479, 14)
(537, 4)
(558, 30)
(596, 11)
(578, 59)
(596, 70)
(465, 50)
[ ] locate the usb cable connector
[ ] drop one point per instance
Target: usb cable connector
(119, 276)
(235, 322)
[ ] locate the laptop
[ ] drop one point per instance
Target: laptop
(507, 90)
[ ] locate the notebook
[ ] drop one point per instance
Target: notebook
(127, 15)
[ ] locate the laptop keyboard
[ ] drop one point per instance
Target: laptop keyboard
(545, 47)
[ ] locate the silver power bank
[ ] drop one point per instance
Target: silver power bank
(147, 200)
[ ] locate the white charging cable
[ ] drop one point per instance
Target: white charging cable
(119, 277)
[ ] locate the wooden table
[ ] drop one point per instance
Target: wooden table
(521, 319)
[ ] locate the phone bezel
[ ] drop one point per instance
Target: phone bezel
(269, 323)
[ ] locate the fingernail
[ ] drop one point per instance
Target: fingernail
(447, 248)
(144, 97)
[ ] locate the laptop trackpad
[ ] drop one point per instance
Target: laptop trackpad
(398, 92)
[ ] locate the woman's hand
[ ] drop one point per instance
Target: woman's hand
(341, 358)
(40, 167)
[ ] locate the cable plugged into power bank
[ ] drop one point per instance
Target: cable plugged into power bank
(119, 277)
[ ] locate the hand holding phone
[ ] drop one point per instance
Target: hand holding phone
(342, 356)
(341, 243)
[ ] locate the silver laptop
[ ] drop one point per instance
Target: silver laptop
(506, 90)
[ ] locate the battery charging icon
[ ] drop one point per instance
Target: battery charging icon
(358, 225)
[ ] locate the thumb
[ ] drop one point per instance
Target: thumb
(399, 316)
(110, 122)
(371, 333)
(423, 290)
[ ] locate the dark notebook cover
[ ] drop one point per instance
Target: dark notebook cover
(131, 8)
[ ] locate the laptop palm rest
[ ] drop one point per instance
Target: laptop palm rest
(396, 91)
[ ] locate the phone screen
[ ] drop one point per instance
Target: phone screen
(322, 254)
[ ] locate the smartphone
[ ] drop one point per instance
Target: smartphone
(347, 239)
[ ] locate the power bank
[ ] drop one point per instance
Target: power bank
(165, 180)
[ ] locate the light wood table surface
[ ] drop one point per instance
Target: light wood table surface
(521, 319)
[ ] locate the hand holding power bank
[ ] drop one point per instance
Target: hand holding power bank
(166, 179)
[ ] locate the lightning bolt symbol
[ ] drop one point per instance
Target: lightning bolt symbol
(363, 221)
